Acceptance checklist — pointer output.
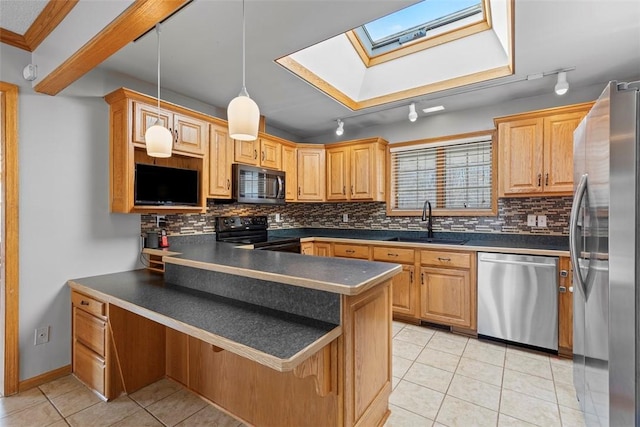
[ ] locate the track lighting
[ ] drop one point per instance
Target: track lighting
(413, 116)
(562, 86)
(340, 128)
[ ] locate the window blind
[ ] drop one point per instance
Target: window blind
(454, 175)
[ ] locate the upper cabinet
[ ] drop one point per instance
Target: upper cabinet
(220, 160)
(535, 151)
(130, 114)
(290, 168)
(263, 152)
(356, 170)
(190, 134)
(311, 174)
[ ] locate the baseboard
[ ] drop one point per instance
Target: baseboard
(44, 378)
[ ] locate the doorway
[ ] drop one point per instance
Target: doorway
(9, 360)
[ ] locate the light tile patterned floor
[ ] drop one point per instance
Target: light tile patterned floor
(442, 379)
(439, 379)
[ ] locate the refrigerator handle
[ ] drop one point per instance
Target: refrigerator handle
(581, 189)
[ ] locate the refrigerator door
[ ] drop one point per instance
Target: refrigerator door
(623, 256)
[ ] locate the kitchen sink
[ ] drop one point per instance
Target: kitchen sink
(427, 240)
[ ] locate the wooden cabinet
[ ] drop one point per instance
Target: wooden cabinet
(129, 115)
(190, 134)
(535, 155)
(322, 249)
(311, 174)
(290, 167)
(565, 308)
(220, 160)
(404, 295)
(260, 152)
(306, 248)
(354, 171)
(448, 288)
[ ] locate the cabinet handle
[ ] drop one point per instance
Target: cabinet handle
(391, 254)
(255, 154)
(539, 179)
(411, 277)
(298, 191)
(176, 132)
(422, 278)
(262, 156)
(444, 259)
(228, 183)
(350, 251)
(546, 179)
(344, 189)
(352, 189)
(83, 302)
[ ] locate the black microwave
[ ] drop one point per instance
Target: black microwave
(258, 185)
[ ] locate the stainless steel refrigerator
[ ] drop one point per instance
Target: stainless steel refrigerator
(604, 244)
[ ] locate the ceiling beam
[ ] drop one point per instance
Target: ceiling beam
(139, 18)
(52, 14)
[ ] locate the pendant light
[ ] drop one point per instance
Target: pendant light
(158, 138)
(243, 113)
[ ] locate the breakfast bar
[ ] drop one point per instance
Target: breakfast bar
(271, 338)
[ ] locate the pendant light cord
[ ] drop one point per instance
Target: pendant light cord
(158, 54)
(244, 87)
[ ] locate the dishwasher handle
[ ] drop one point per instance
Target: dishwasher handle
(528, 263)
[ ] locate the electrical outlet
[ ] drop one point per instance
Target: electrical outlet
(278, 217)
(161, 221)
(345, 217)
(531, 221)
(42, 336)
(542, 220)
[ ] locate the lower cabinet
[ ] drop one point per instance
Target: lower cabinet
(348, 250)
(404, 293)
(448, 288)
(322, 249)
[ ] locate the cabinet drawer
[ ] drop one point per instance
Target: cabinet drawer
(88, 304)
(405, 256)
(89, 330)
(350, 251)
(88, 367)
(446, 259)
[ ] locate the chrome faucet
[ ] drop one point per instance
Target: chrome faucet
(425, 218)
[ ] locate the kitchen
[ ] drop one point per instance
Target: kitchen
(73, 212)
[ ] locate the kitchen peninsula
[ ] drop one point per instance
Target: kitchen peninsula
(273, 338)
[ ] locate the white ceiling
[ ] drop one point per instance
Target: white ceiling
(18, 15)
(201, 55)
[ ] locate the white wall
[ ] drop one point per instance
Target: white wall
(66, 230)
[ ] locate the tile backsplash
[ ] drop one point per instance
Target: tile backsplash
(511, 218)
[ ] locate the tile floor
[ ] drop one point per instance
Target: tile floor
(439, 379)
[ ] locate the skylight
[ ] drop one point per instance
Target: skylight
(425, 15)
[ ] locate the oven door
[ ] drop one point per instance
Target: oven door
(258, 185)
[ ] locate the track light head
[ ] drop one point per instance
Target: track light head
(562, 86)
(413, 116)
(340, 128)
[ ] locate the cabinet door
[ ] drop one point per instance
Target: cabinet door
(362, 166)
(337, 175)
(246, 152)
(520, 157)
(145, 116)
(290, 167)
(220, 160)
(558, 152)
(190, 134)
(402, 292)
(306, 248)
(565, 308)
(270, 154)
(311, 173)
(322, 249)
(445, 296)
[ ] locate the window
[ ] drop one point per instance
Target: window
(421, 20)
(456, 176)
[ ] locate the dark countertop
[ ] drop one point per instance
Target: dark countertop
(338, 275)
(235, 326)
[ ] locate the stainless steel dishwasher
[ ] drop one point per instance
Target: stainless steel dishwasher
(518, 299)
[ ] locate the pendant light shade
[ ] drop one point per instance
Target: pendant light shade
(244, 116)
(243, 113)
(158, 139)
